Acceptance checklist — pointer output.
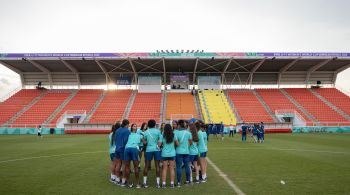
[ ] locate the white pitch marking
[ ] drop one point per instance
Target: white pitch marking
(287, 149)
(228, 180)
(48, 156)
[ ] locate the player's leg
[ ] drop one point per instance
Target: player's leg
(148, 158)
(186, 161)
(172, 172)
(179, 168)
(164, 172)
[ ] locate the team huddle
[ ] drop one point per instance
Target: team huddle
(172, 147)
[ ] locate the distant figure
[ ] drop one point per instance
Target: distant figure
(39, 131)
(244, 132)
(221, 130)
(262, 132)
(231, 130)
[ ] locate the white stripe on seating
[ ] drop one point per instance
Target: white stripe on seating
(48, 156)
(228, 180)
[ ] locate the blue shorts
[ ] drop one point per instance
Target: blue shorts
(168, 158)
(203, 154)
(193, 158)
(112, 156)
(150, 155)
(119, 155)
(131, 154)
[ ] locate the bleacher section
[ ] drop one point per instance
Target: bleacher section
(40, 111)
(146, 106)
(83, 100)
(112, 107)
(322, 112)
(276, 100)
(336, 97)
(180, 103)
(215, 107)
(248, 106)
(16, 103)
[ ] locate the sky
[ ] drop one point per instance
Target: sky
(146, 26)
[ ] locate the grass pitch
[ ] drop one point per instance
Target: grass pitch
(79, 164)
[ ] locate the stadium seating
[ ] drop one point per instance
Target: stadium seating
(146, 106)
(40, 111)
(83, 100)
(276, 100)
(180, 103)
(215, 107)
(336, 97)
(112, 107)
(16, 103)
(248, 106)
(322, 112)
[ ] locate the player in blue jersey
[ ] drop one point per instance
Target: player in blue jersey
(244, 132)
(182, 152)
(151, 138)
(141, 131)
(202, 150)
(262, 132)
(121, 138)
(194, 152)
(131, 153)
(168, 142)
(111, 138)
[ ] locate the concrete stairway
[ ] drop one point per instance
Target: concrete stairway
(238, 117)
(129, 105)
(335, 108)
(163, 107)
(197, 106)
(301, 108)
(94, 108)
(24, 109)
(267, 108)
(58, 110)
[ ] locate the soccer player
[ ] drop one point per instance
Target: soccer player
(151, 138)
(244, 132)
(255, 133)
(131, 153)
(221, 130)
(111, 138)
(121, 138)
(174, 125)
(194, 152)
(141, 131)
(182, 152)
(168, 141)
(202, 150)
(39, 131)
(231, 130)
(262, 130)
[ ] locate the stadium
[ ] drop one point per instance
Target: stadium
(174, 97)
(86, 93)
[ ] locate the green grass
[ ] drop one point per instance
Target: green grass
(308, 163)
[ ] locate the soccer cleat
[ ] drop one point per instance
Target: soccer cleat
(138, 186)
(117, 183)
(131, 185)
(187, 183)
(157, 185)
(172, 186)
(197, 181)
(123, 184)
(178, 185)
(145, 185)
(204, 180)
(163, 186)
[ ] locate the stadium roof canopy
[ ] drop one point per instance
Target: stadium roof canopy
(245, 68)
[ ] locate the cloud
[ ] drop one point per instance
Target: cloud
(4, 81)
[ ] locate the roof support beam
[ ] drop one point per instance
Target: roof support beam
(314, 68)
(210, 66)
(74, 70)
(149, 66)
(223, 78)
(255, 68)
(43, 69)
(194, 71)
(104, 71)
(134, 70)
(116, 67)
(164, 74)
(284, 69)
